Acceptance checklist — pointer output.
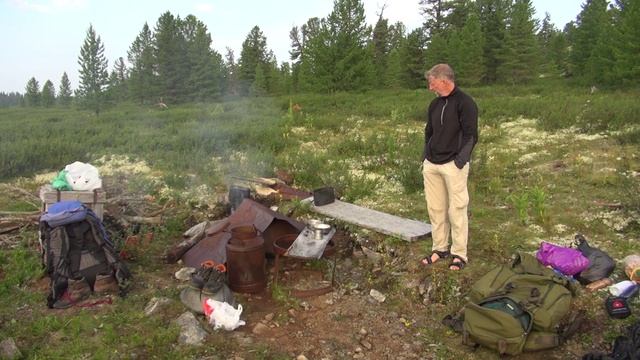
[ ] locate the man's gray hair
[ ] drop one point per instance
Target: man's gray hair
(441, 71)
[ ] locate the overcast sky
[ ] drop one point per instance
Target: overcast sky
(42, 38)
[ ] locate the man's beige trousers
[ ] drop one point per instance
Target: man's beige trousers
(445, 188)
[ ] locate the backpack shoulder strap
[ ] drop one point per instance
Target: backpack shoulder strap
(57, 262)
(120, 270)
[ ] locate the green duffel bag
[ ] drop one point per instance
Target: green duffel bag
(517, 307)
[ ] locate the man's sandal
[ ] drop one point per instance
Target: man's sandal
(457, 263)
(441, 255)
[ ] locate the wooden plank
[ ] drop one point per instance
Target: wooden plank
(49, 195)
(95, 201)
(384, 223)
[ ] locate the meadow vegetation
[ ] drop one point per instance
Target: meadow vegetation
(548, 158)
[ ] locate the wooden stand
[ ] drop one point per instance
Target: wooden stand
(92, 199)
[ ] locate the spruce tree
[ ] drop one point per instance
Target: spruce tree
(286, 79)
(297, 44)
(252, 56)
(64, 92)
(170, 55)
(559, 52)
(48, 97)
(415, 56)
(313, 70)
(396, 62)
(230, 74)
(32, 93)
(349, 33)
(272, 74)
(438, 51)
(259, 85)
(117, 84)
(434, 12)
(493, 20)
(627, 67)
(205, 65)
(600, 66)
(466, 47)
(142, 78)
(520, 53)
(380, 43)
(93, 72)
(548, 43)
(589, 27)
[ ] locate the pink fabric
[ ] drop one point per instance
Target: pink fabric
(566, 260)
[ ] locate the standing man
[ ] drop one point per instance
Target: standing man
(450, 134)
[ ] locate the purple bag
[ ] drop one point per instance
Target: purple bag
(566, 260)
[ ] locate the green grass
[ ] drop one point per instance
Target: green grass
(548, 186)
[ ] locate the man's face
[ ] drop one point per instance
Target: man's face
(437, 85)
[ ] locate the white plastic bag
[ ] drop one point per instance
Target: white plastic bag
(222, 315)
(83, 177)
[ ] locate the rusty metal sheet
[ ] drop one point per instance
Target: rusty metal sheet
(271, 225)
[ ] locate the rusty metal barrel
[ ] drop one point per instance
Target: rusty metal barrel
(246, 260)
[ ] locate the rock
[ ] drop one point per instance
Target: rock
(184, 274)
(358, 356)
(269, 316)
(366, 344)
(243, 339)
(292, 312)
(191, 332)
(372, 256)
(358, 350)
(301, 357)
(9, 350)
(155, 304)
(329, 301)
(411, 283)
(377, 295)
(260, 329)
(363, 332)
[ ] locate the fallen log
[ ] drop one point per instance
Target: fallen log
(19, 213)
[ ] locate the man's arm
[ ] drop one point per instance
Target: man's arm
(428, 133)
(469, 123)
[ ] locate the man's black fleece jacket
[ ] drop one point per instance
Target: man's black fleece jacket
(452, 129)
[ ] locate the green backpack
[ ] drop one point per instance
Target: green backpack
(518, 307)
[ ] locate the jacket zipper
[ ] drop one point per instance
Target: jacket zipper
(446, 101)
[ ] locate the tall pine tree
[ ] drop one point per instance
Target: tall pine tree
(93, 72)
(520, 53)
(48, 96)
(349, 33)
(142, 78)
(590, 24)
(466, 47)
(64, 92)
(230, 74)
(434, 12)
(381, 44)
(493, 21)
(32, 92)
(627, 67)
(205, 64)
(117, 88)
(252, 56)
(171, 60)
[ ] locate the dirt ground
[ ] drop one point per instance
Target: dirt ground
(349, 323)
